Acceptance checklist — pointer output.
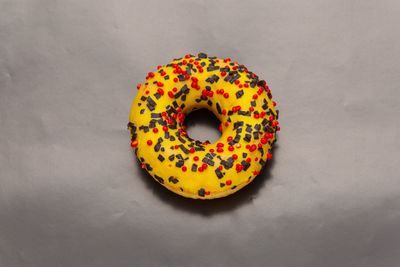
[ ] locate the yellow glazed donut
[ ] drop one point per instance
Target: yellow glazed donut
(189, 167)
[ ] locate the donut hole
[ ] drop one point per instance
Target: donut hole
(202, 125)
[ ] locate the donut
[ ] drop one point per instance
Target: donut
(191, 168)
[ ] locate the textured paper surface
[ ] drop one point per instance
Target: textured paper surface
(72, 193)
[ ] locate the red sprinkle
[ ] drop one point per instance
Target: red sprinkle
(220, 145)
(255, 96)
(155, 130)
(151, 75)
(264, 140)
(138, 86)
(204, 166)
(234, 156)
(160, 84)
(192, 150)
(231, 148)
(200, 169)
(226, 95)
(223, 73)
(184, 168)
(160, 91)
(149, 142)
(230, 138)
(228, 182)
(220, 168)
(253, 148)
(134, 143)
(220, 150)
(196, 158)
(165, 128)
(248, 160)
(269, 156)
(207, 192)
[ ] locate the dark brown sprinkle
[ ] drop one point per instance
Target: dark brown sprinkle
(173, 180)
(249, 129)
(155, 82)
(221, 184)
(155, 115)
(179, 156)
(159, 179)
(239, 94)
(161, 158)
(194, 167)
(244, 113)
(157, 147)
(253, 103)
(255, 135)
(181, 139)
(157, 95)
(265, 106)
(230, 112)
(166, 77)
(184, 149)
(257, 127)
(132, 125)
(209, 103)
(172, 157)
(219, 108)
(265, 121)
(202, 55)
(247, 138)
(148, 167)
(224, 69)
(218, 173)
(234, 78)
(144, 128)
(212, 79)
(208, 161)
(143, 98)
(181, 78)
(183, 98)
(166, 135)
(233, 187)
(201, 192)
(212, 68)
(261, 151)
(245, 164)
(171, 138)
(262, 162)
(179, 163)
(141, 159)
(151, 108)
(139, 104)
(244, 154)
(237, 124)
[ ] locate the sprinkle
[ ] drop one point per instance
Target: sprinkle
(149, 142)
(134, 143)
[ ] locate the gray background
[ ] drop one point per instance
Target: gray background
(71, 191)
